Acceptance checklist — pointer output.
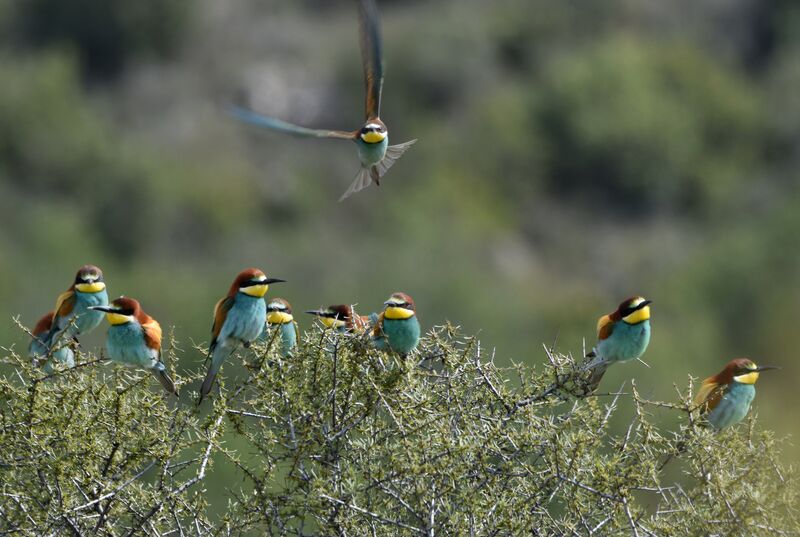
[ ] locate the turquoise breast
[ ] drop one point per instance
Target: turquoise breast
(371, 154)
(125, 344)
(626, 342)
(86, 319)
(400, 335)
(246, 319)
(734, 405)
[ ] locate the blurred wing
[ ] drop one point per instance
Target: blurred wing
(709, 395)
(371, 55)
(220, 314)
(604, 327)
(393, 152)
(64, 306)
(248, 116)
(363, 180)
(152, 334)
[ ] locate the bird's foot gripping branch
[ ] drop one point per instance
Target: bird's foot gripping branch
(339, 437)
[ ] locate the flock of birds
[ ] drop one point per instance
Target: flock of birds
(243, 315)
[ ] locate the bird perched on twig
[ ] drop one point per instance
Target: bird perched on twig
(239, 318)
(372, 139)
(73, 314)
(342, 318)
(397, 327)
(134, 339)
(622, 335)
(38, 350)
(280, 318)
(724, 399)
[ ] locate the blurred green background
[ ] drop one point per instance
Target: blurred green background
(570, 154)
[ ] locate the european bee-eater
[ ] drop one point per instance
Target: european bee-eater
(725, 398)
(87, 290)
(342, 318)
(134, 339)
(397, 327)
(38, 350)
(239, 318)
(621, 336)
(279, 317)
(372, 139)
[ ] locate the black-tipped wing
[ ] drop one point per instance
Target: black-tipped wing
(254, 118)
(371, 55)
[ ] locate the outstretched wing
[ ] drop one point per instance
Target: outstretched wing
(709, 395)
(605, 326)
(393, 152)
(371, 55)
(254, 118)
(362, 180)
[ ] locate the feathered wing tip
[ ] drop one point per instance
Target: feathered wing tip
(363, 180)
(165, 381)
(393, 152)
(364, 177)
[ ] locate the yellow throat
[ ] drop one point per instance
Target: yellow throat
(118, 318)
(257, 291)
(373, 137)
(747, 378)
(279, 317)
(330, 322)
(393, 312)
(638, 316)
(94, 287)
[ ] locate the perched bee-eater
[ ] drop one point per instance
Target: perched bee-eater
(372, 139)
(134, 339)
(621, 336)
(279, 317)
(87, 290)
(397, 327)
(38, 350)
(342, 318)
(725, 398)
(239, 318)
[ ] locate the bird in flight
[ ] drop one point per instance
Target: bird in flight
(372, 139)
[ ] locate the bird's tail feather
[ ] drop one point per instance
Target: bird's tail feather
(362, 180)
(597, 368)
(165, 381)
(218, 355)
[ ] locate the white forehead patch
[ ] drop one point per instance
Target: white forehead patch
(372, 126)
(277, 306)
(636, 301)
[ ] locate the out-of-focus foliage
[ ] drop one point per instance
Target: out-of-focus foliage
(342, 439)
(571, 154)
(104, 34)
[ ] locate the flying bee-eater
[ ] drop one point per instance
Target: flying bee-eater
(73, 315)
(622, 335)
(38, 350)
(239, 318)
(397, 327)
(724, 399)
(342, 318)
(280, 318)
(134, 339)
(372, 139)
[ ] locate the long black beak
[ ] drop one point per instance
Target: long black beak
(274, 280)
(766, 367)
(318, 313)
(643, 304)
(107, 309)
